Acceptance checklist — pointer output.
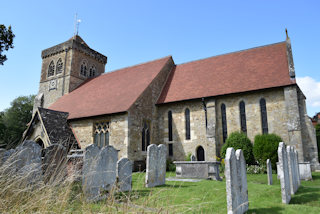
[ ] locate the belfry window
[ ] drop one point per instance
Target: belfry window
(224, 122)
(145, 136)
(187, 118)
(92, 71)
(51, 69)
(243, 121)
(101, 134)
(83, 69)
(264, 119)
(170, 125)
(59, 66)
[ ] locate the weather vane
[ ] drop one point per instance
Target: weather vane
(76, 25)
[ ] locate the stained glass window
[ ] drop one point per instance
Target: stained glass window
(59, 66)
(101, 134)
(51, 69)
(170, 125)
(224, 122)
(243, 117)
(187, 118)
(264, 119)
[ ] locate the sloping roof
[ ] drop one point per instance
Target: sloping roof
(111, 92)
(252, 69)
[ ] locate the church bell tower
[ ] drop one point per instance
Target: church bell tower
(65, 67)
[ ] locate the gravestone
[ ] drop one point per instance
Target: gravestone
(99, 171)
(124, 174)
(156, 165)
(193, 158)
(269, 172)
(23, 163)
(292, 170)
(297, 167)
(284, 173)
(54, 163)
(305, 171)
(236, 182)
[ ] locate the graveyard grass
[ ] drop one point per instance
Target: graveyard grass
(174, 197)
(209, 196)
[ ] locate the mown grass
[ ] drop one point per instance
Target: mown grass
(174, 197)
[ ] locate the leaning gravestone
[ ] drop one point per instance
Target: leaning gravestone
(284, 173)
(99, 171)
(236, 182)
(156, 165)
(269, 172)
(24, 162)
(193, 158)
(54, 163)
(124, 174)
(296, 163)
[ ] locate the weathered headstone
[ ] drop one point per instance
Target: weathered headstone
(284, 173)
(193, 158)
(292, 170)
(124, 174)
(297, 167)
(99, 171)
(156, 165)
(24, 162)
(236, 182)
(269, 172)
(54, 163)
(305, 171)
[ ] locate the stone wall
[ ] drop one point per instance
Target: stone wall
(276, 113)
(181, 146)
(118, 135)
(145, 110)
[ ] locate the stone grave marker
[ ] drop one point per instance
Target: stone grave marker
(156, 165)
(236, 182)
(284, 173)
(269, 172)
(193, 158)
(99, 171)
(54, 163)
(124, 174)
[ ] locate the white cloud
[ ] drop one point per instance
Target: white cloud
(311, 89)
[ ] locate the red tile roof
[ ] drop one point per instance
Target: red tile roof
(252, 69)
(111, 92)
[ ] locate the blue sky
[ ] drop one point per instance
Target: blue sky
(131, 32)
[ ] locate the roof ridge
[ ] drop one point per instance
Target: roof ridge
(247, 49)
(131, 66)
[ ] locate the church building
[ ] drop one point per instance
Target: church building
(190, 107)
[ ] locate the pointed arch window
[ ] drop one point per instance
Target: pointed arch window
(59, 66)
(145, 136)
(51, 69)
(187, 118)
(101, 134)
(243, 120)
(83, 68)
(170, 125)
(264, 118)
(92, 71)
(224, 122)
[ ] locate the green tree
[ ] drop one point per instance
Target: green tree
(318, 139)
(239, 140)
(13, 121)
(265, 147)
(6, 41)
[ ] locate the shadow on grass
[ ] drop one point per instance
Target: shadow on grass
(273, 210)
(306, 195)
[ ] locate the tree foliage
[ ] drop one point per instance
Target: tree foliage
(266, 147)
(13, 121)
(6, 41)
(239, 140)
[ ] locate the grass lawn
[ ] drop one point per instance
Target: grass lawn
(210, 196)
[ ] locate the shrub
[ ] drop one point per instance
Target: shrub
(318, 138)
(265, 147)
(171, 167)
(256, 169)
(239, 140)
(188, 157)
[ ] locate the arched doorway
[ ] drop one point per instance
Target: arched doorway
(200, 153)
(40, 143)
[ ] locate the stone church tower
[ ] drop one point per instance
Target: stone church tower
(65, 67)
